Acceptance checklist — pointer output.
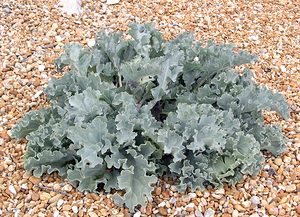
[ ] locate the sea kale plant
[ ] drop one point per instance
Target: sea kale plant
(130, 111)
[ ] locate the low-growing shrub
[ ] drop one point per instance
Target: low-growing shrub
(130, 111)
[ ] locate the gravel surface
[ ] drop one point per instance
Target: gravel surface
(32, 34)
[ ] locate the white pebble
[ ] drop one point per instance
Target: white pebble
(255, 200)
(162, 204)
(298, 157)
(12, 189)
(41, 68)
(91, 42)
(111, 2)
(59, 203)
(190, 205)
(173, 200)
(192, 195)
(209, 213)
(37, 94)
(24, 186)
(137, 214)
(254, 37)
(282, 68)
(254, 215)
(75, 209)
(56, 213)
(198, 213)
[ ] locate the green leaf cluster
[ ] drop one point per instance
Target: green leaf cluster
(129, 111)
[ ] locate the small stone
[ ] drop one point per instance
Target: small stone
(91, 42)
(209, 213)
(92, 214)
(192, 195)
(282, 68)
(12, 189)
(59, 203)
(246, 204)
(255, 200)
(56, 213)
(45, 196)
(66, 207)
(217, 196)
(220, 191)
(190, 207)
(163, 211)
(35, 196)
(34, 180)
(173, 188)
(158, 191)
(238, 207)
(290, 188)
(5, 97)
(298, 209)
(112, 2)
(137, 214)
(298, 157)
(254, 37)
(55, 198)
(235, 213)
(24, 186)
(67, 188)
(278, 161)
(254, 215)
(272, 210)
(173, 200)
(41, 68)
(162, 204)
(75, 209)
(198, 213)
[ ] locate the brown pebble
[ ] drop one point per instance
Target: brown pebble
(162, 211)
(35, 196)
(298, 209)
(158, 191)
(34, 180)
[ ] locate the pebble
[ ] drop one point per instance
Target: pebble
(162, 204)
(35, 196)
(137, 214)
(45, 196)
(298, 209)
(112, 2)
(24, 186)
(198, 213)
(290, 188)
(56, 213)
(75, 209)
(209, 213)
(67, 188)
(92, 214)
(163, 211)
(59, 203)
(278, 161)
(235, 213)
(12, 189)
(272, 210)
(158, 191)
(298, 157)
(34, 180)
(190, 207)
(255, 200)
(41, 68)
